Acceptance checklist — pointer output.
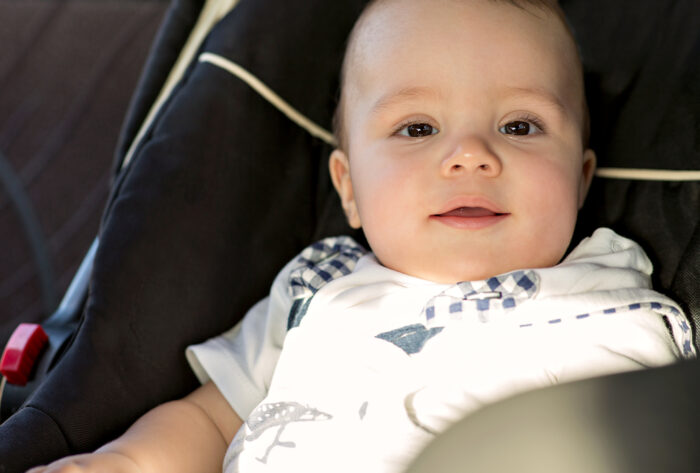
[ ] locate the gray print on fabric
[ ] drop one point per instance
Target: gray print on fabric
(410, 338)
(280, 415)
(363, 410)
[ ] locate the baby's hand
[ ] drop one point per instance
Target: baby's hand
(103, 462)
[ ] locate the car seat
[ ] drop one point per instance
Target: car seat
(221, 178)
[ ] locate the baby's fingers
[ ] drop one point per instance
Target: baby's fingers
(53, 469)
(95, 462)
(67, 465)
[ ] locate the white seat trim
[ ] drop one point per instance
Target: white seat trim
(211, 13)
(269, 95)
(647, 174)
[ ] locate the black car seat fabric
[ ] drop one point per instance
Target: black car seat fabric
(224, 188)
(643, 88)
(221, 192)
(58, 131)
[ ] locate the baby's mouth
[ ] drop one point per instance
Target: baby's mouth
(470, 218)
(470, 212)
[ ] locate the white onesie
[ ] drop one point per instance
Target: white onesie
(351, 366)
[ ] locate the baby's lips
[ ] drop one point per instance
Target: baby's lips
(472, 212)
(470, 206)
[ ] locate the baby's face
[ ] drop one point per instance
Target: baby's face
(464, 144)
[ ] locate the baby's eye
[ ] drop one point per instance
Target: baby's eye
(520, 128)
(417, 130)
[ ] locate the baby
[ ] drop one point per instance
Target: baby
(462, 132)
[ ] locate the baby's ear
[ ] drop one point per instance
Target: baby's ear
(339, 167)
(587, 172)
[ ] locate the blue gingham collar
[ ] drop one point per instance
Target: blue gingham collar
(497, 294)
(322, 262)
(317, 265)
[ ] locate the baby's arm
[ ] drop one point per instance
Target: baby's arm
(187, 435)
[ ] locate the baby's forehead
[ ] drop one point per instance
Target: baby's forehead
(391, 23)
(382, 17)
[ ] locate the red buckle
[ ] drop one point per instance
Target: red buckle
(21, 352)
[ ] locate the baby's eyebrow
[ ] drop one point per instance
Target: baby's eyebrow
(540, 95)
(395, 97)
(407, 93)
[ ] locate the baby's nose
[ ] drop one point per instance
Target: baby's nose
(472, 154)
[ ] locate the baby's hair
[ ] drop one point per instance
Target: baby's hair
(547, 6)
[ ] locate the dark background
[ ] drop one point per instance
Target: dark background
(68, 69)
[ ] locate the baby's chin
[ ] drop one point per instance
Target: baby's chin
(448, 274)
(443, 277)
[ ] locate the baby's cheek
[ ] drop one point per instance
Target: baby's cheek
(554, 211)
(556, 185)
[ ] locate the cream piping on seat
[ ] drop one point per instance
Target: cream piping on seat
(211, 13)
(269, 95)
(647, 174)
